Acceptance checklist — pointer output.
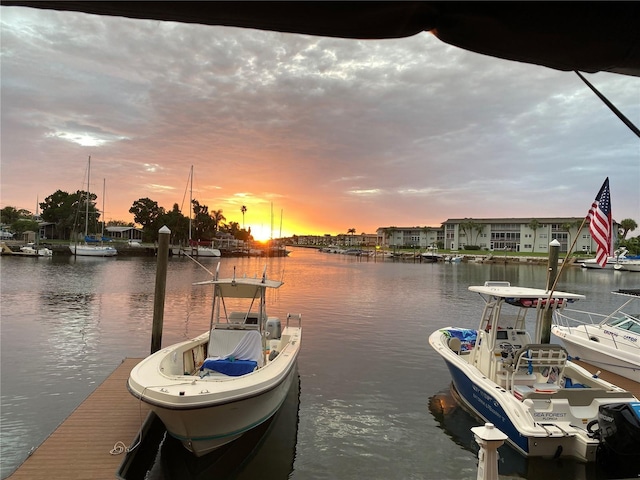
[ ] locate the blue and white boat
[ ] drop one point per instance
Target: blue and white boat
(546, 404)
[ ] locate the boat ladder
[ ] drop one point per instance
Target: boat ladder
(554, 430)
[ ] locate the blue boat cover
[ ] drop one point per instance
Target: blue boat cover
(467, 337)
(231, 367)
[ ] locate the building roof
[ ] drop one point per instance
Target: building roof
(395, 227)
(542, 220)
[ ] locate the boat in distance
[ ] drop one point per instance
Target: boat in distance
(617, 261)
(33, 249)
(611, 342)
(87, 250)
(629, 265)
(548, 406)
(210, 390)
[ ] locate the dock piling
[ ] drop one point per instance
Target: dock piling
(161, 286)
(554, 253)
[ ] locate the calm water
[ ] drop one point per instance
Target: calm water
(373, 398)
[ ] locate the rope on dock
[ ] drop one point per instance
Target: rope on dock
(118, 448)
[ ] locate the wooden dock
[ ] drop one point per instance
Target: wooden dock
(80, 448)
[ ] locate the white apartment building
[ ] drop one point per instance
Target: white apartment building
(409, 237)
(515, 234)
(519, 234)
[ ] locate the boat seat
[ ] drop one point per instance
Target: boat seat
(455, 344)
(467, 338)
(231, 368)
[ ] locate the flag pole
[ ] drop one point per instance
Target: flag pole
(590, 216)
(564, 262)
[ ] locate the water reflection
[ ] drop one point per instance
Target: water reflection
(365, 365)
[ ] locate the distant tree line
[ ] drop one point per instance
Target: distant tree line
(68, 212)
(205, 225)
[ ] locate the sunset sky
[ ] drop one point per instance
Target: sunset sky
(329, 134)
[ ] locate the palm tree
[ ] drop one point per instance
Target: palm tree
(389, 233)
(243, 209)
(627, 225)
(534, 225)
(218, 218)
(425, 230)
(567, 227)
(467, 228)
(352, 231)
(479, 228)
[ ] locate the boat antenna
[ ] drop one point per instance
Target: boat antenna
(191, 257)
(264, 274)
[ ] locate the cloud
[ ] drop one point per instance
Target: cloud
(333, 131)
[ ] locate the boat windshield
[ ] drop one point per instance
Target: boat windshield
(626, 322)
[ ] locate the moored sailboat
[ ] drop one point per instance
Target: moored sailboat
(88, 248)
(194, 247)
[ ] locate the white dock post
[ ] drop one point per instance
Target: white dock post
(489, 438)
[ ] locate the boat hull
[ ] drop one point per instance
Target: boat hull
(598, 354)
(202, 252)
(596, 266)
(208, 252)
(628, 266)
(205, 429)
(93, 251)
(485, 406)
(207, 412)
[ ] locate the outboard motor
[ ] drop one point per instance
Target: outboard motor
(274, 328)
(619, 433)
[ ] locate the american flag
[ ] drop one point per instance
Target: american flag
(600, 224)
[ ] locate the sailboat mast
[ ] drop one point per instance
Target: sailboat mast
(86, 214)
(36, 219)
(190, 202)
(104, 186)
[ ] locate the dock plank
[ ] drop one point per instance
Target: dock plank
(80, 447)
